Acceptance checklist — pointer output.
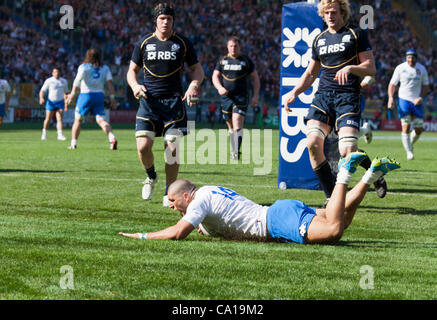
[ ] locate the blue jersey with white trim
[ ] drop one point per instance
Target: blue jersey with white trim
(334, 51)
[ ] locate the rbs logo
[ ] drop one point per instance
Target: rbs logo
(333, 48)
(294, 61)
(161, 55)
(289, 46)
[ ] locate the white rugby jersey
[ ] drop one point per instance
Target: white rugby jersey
(56, 88)
(91, 79)
(411, 80)
(224, 213)
(4, 88)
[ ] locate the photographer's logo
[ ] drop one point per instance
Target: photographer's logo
(67, 20)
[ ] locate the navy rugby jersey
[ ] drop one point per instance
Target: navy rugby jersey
(163, 63)
(235, 72)
(337, 50)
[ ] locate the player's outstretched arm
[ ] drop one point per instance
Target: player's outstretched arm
(177, 232)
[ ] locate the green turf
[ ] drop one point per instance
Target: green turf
(64, 208)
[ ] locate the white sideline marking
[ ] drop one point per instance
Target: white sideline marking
(203, 183)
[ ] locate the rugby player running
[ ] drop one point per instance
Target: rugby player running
(161, 112)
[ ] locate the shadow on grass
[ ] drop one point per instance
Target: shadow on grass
(32, 171)
(387, 244)
(398, 210)
(413, 190)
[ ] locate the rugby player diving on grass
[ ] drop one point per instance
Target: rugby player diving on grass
(222, 212)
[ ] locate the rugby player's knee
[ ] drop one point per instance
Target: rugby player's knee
(144, 144)
(78, 117)
(335, 231)
(418, 124)
(314, 144)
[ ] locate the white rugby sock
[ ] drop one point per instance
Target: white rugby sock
(233, 140)
(111, 136)
(343, 176)
(370, 177)
(74, 142)
(414, 137)
(406, 142)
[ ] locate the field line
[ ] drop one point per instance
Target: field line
(425, 195)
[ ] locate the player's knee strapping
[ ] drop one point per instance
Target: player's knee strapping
(347, 141)
(417, 123)
(316, 131)
(172, 139)
(145, 134)
(99, 118)
(406, 120)
(78, 116)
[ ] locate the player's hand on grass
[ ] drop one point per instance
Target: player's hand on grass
(130, 235)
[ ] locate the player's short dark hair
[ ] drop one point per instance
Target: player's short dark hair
(92, 56)
(163, 8)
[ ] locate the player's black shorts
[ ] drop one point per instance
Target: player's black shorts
(233, 103)
(159, 115)
(337, 109)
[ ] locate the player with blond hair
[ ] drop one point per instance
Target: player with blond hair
(343, 56)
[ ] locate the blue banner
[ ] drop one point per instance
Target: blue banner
(300, 25)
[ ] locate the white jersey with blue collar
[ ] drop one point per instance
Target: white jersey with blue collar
(410, 80)
(91, 79)
(222, 212)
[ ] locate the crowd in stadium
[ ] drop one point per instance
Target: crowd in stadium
(30, 48)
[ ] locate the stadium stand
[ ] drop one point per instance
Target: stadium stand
(32, 41)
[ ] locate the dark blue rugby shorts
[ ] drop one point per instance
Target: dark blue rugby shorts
(337, 109)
